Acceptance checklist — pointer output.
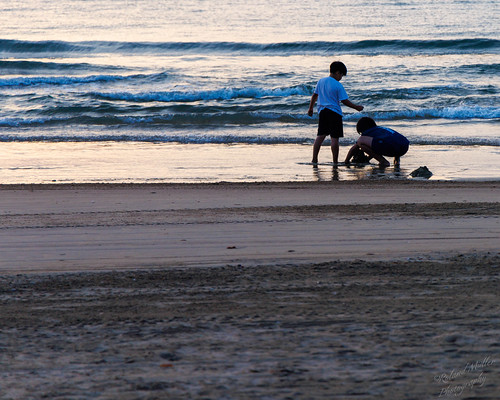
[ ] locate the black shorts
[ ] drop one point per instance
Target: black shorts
(330, 123)
(389, 148)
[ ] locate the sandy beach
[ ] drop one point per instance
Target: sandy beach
(352, 289)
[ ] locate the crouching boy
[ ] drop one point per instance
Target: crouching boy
(378, 141)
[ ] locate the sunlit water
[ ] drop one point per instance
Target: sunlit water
(86, 77)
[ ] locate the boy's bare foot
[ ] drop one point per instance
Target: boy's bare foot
(384, 164)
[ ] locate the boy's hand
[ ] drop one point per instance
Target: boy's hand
(350, 104)
(314, 97)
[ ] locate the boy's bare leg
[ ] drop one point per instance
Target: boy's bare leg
(397, 161)
(316, 147)
(335, 150)
(365, 144)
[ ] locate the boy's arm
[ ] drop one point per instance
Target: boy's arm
(350, 154)
(348, 103)
(314, 97)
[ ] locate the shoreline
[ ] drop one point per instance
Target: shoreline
(368, 182)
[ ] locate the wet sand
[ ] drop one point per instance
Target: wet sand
(363, 290)
(140, 162)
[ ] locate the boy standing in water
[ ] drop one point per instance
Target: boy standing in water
(377, 142)
(329, 93)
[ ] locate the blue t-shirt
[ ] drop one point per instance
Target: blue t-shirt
(387, 141)
(330, 93)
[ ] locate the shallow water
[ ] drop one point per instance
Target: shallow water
(131, 162)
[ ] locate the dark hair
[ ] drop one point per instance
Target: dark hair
(364, 124)
(338, 66)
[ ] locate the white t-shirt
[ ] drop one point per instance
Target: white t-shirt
(330, 93)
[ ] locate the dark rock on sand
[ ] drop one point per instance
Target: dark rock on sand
(421, 172)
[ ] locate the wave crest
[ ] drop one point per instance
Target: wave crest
(452, 46)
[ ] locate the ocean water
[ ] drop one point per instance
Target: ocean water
(93, 83)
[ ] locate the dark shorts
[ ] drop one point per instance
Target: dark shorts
(389, 149)
(330, 123)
